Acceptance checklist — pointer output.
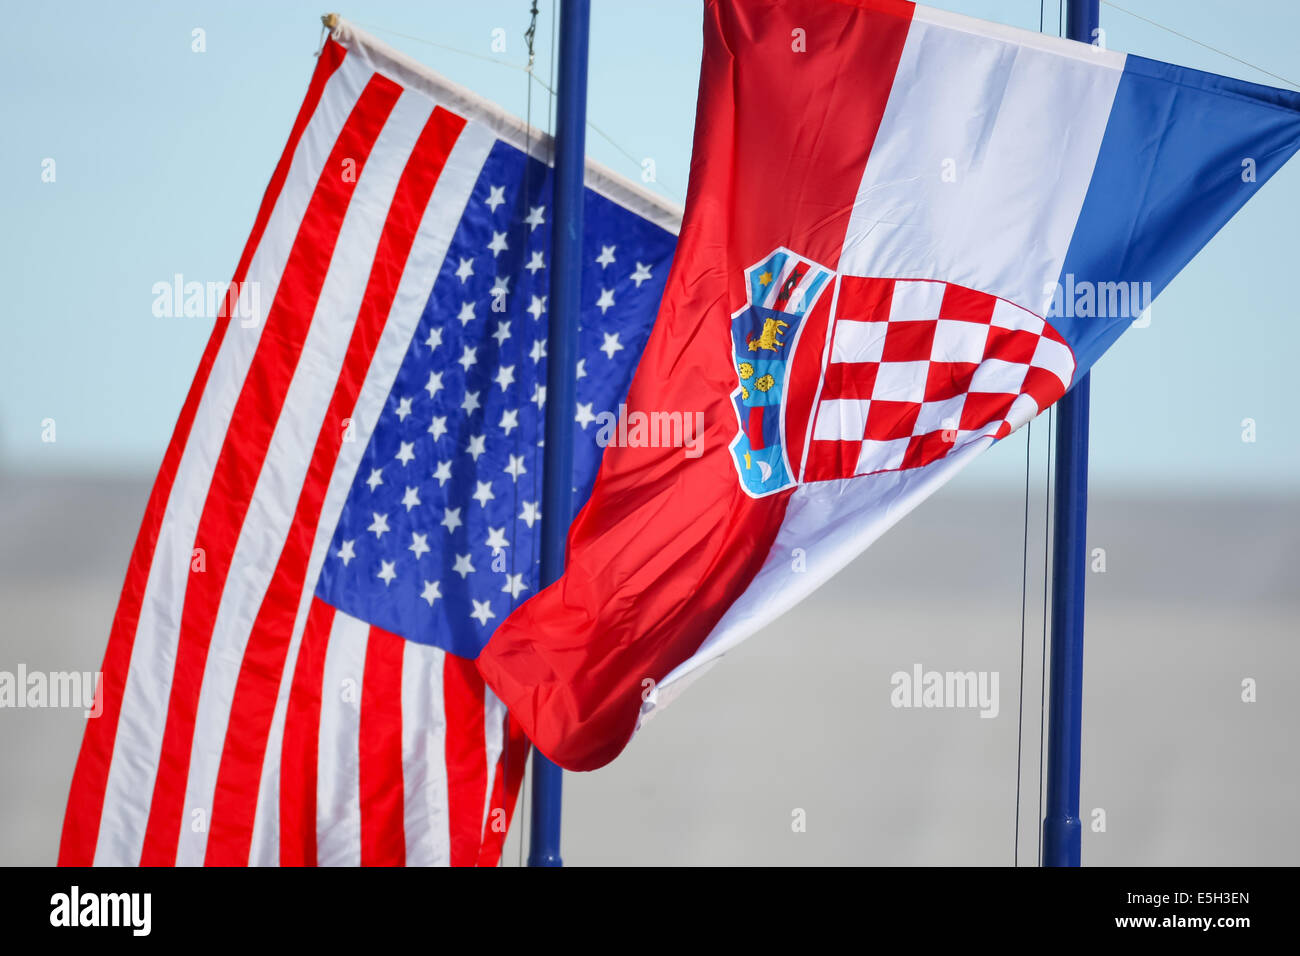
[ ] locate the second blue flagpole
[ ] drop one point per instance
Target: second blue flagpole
(561, 371)
(1062, 827)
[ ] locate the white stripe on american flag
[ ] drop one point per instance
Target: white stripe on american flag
(280, 481)
(424, 758)
(436, 230)
(494, 720)
(338, 793)
(145, 696)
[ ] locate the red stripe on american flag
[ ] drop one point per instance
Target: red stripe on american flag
(234, 804)
(462, 694)
(383, 835)
(300, 745)
(505, 792)
(244, 450)
(86, 795)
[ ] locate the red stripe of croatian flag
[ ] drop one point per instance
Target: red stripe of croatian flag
(940, 246)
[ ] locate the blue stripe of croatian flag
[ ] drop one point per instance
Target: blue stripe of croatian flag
(1182, 152)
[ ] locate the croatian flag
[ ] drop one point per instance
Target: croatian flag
(350, 502)
(973, 215)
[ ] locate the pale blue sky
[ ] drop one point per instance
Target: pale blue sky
(162, 155)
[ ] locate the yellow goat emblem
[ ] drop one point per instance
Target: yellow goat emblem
(768, 340)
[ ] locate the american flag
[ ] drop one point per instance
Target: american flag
(350, 503)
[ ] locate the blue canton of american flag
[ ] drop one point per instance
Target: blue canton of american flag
(440, 536)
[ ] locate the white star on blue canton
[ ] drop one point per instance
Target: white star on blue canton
(451, 519)
(483, 492)
(496, 540)
(611, 345)
(419, 544)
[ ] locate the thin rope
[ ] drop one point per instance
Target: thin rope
(442, 46)
(1042, 678)
(1024, 598)
(550, 101)
(1214, 49)
(529, 35)
(673, 192)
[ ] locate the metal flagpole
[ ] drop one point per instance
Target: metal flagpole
(1062, 828)
(561, 370)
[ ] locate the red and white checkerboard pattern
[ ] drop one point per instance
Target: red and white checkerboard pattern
(918, 368)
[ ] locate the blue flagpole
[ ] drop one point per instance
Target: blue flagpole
(1062, 828)
(561, 370)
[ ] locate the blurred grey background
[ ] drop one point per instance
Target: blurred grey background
(1198, 594)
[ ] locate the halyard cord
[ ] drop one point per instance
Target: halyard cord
(1024, 596)
(529, 36)
(1213, 49)
(1042, 681)
(673, 193)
